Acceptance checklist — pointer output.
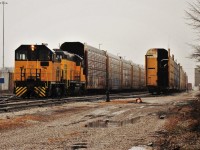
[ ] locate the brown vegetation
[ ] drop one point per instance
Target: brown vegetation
(20, 121)
(28, 120)
(182, 128)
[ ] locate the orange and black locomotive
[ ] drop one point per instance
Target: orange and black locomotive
(42, 72)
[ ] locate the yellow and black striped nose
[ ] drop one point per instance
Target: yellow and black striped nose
(40, 91)
(20, 91)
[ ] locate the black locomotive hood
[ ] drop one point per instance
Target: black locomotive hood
(29, 47)
(74, 47)
(33, 53)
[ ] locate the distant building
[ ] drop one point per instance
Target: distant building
(6, 79)
(197, 76)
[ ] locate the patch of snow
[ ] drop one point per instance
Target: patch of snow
(100, 112)
(138, 148)
(119, 112)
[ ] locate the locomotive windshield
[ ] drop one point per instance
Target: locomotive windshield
(22, 55)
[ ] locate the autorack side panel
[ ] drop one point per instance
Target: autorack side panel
(96, 68)
(176, 76)
(183, 79)
(114, 71)
(141, 77)
(171, 72)
(136, 76)
(126, 73)
(186, 81)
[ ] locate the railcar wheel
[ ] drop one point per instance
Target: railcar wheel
(58, 92)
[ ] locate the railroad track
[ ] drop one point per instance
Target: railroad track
(12, 103)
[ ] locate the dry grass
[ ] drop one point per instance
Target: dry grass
(20, 121)
(28, 120)
(182, 128)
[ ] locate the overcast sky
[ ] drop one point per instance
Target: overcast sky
(124, 27)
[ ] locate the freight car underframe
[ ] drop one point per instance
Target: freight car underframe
(162, 89)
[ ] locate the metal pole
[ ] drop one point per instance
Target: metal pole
(3, 3)
(107, 82)
(3, 34)
(100, 46)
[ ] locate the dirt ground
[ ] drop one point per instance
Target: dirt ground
(182, 127)
(165, 122)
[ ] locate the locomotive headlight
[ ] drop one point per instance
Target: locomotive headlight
(32, 47)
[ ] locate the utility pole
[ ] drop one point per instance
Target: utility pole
(3, 3)
(100, 46)
(107, 83)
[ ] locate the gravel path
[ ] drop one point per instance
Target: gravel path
(119, 125)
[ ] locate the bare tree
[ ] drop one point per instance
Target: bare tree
(193, 17)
